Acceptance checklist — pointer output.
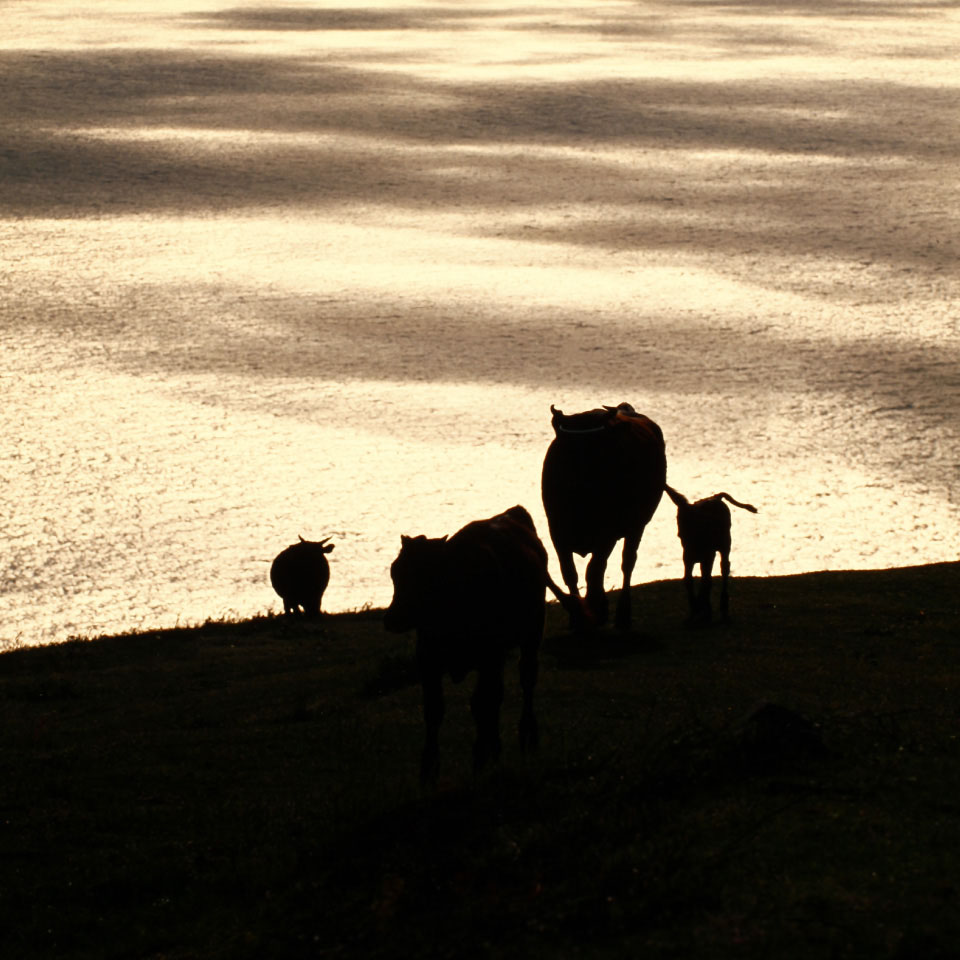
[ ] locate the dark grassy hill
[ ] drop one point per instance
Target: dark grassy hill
(249, 789)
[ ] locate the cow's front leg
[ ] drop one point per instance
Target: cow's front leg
(596, 596)
(568, 571)
(575, 608)
(433, 708)
(485, 706)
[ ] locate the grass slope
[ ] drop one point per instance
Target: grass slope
(249, 789)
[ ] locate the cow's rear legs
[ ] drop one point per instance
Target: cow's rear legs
(624, 601)
(433, 709)
(703, 612)
(529, 667)
(724, 596)
(485, 706)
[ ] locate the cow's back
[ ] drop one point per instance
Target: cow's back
(299, 574)
(704, 528)
(602, 484)
(499, 558)
(492, 595)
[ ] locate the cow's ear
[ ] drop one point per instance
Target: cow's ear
(404, 540)
(328, 548)
(443, 539)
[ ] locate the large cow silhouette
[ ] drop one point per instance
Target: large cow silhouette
(603, 478)
(472, 598)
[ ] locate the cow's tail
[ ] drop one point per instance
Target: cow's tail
(575, 607)
(563, 598)
(678, 498)
(736, 503)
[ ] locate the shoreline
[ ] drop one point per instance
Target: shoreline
(264, 618)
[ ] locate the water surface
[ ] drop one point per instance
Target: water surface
(280, 271)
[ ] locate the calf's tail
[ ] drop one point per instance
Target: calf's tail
(737, 503)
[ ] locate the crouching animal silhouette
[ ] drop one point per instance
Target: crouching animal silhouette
(704, 531)
(602, 480)
(472, 598)
(300, 574)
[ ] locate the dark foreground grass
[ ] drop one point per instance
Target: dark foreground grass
(249, 790)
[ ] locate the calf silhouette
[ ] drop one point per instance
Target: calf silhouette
(704, 531)
(300, 574)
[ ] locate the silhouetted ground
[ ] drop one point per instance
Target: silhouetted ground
(249, 789)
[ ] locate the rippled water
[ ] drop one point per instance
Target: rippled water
(275, 274)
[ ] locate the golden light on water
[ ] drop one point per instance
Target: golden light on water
(316, 270)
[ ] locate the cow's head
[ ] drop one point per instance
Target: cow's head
(416, 573)
(590, 421)
(317, 546)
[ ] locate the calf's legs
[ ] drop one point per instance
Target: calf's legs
(706, 586)
(724, 598)
(699, 601)
(627, 563)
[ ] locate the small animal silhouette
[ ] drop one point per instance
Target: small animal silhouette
(602, 480)
(471, 598)
(300, 574)
(704, 531)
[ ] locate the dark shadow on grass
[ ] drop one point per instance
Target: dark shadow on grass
(393, 673)
(597, 648)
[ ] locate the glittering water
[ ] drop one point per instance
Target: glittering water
(266, 275)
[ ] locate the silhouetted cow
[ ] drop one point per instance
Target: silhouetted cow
(471, 598)
(704, 531)
(300, 574)
(603, 477)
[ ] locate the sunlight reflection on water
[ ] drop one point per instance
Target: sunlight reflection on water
(156, 501)
(168, 437)
(323, 271)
